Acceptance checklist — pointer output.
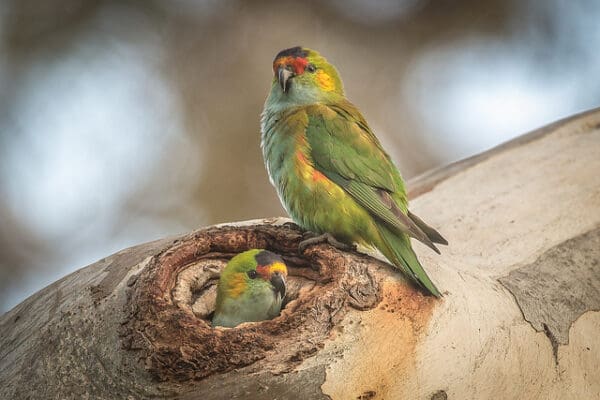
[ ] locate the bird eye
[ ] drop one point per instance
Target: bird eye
(311, 68)
(252, 274)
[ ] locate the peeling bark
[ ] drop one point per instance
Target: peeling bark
(519, 317)
(560, 286)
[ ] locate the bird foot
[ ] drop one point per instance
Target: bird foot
(291, 225)
(312, 239)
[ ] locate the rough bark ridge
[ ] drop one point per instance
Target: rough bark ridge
(178, 344)
(519, 317)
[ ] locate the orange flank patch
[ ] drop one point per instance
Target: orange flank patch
(237, 285)
(307, 170)
(317, 176)
(301, 157)
(325, 81)
(302, 165)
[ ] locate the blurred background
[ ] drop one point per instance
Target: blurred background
(127, 121)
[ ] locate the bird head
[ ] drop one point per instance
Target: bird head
(303, 76)
(251, 272)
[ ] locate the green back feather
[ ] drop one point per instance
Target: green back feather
(337, 141)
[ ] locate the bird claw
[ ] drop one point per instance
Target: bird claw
(291, 225)
(309, 235)
(312, 239)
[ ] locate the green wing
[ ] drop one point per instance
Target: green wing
(345, 150)
(343, 144)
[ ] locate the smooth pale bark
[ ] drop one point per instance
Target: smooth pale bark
(519, 317)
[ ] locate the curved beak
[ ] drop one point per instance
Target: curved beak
(283, 76)
(278, 282)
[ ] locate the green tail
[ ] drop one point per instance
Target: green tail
(398, 250)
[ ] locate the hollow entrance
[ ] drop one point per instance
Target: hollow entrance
(171, 302)
(196, 287)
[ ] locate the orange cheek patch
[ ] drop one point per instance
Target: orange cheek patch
(325, 81)
(237, 285)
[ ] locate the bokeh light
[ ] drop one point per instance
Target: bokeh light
(123, 122)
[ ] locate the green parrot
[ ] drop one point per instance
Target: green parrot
(331, 173)
(251, 288)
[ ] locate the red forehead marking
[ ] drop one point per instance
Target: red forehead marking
(263, 271)
(298, 63)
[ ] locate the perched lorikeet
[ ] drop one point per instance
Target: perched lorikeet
(330, 171)
(251, 288)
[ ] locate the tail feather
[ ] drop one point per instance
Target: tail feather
(398, 250)
(431, 233)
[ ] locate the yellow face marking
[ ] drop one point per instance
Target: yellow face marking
(266, 271)
(237, 285)
(278, 267)
(325, 81)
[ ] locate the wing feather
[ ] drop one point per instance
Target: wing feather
(345, 150)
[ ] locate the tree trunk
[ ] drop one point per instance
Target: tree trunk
(518, 320)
